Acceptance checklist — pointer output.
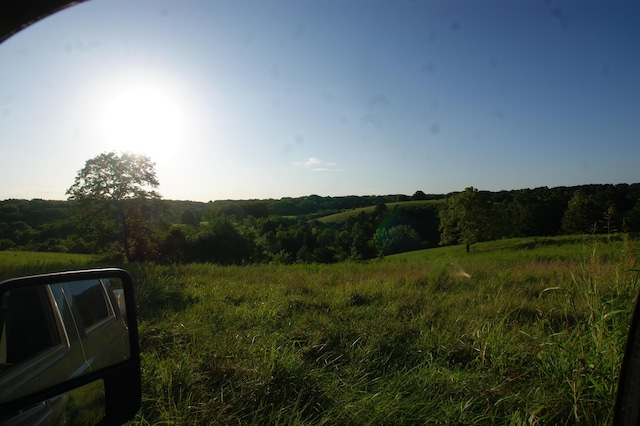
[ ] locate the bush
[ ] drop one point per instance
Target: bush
(397, 239)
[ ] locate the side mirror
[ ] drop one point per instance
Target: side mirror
(64, 332)
(627, 408)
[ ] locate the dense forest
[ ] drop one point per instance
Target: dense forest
(315, 228)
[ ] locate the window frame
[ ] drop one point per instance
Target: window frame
(19, 375)
(94, 328)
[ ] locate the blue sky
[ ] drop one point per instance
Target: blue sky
(281, 98)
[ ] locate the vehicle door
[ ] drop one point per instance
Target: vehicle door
(99, 321)
(53, 355)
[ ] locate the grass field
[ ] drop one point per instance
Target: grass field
(17, 263)
(523, 331)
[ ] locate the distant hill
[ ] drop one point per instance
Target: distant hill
(315, 228)
(343, 216)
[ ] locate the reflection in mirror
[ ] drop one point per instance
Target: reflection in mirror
(51, 333)
(81, 406)
(85, 405)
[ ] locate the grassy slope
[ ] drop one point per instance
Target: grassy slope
(342, 216)
(534, 335)
(518, 331)
(18, 263)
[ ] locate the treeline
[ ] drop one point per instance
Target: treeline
(312, 206)
(289, 230)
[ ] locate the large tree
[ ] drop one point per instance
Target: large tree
(113, 191)
(466, 219)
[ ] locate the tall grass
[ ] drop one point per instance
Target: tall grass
(525, 331)
(519, 331)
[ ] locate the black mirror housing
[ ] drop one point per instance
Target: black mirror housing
(627, 409)
(62, 331)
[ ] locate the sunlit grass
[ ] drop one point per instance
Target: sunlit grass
(533, 333)
(517, 331)
(18, 263)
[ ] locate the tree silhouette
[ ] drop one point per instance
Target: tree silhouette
(419, 195)
(112, 191)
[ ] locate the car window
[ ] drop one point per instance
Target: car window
(282, 99)
(257, 100)
(90, 300)
(30, 325)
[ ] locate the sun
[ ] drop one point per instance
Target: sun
(144, 121)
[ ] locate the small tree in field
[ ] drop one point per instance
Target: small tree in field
(581, 214)
(466, 219)
(112, 191)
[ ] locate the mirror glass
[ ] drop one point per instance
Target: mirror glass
(54, 332)
(81, 406)
(85, 405)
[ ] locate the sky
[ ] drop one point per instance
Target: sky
(260, 99)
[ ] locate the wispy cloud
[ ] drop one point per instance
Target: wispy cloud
(317, 165)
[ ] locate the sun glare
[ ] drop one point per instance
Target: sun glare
(144, 121)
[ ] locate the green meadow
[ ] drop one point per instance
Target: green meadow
(521, 331)
(18, 263)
